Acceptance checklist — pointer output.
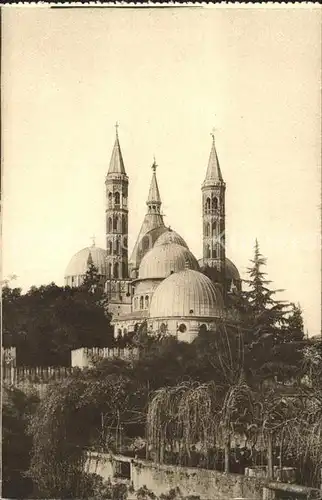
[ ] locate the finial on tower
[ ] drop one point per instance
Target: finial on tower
(154, 166)
(93, 238)
(116, 129)
(213, 133)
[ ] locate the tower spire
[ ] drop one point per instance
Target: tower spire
(116, 214)
(116, 162)
(213, 214)
(213, 174)
(154, 197)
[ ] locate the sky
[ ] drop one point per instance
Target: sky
(168, 77)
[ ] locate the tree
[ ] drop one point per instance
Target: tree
(91, 282)
(89, 408)
(47, 322)
(268, 341)
(17, 409)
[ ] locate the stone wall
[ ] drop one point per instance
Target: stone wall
(33, 379)
(208, 484)
(84, 357)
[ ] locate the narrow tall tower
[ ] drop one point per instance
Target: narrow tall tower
(153, 224)
(117, 214)
(213, 214)
(154, 199)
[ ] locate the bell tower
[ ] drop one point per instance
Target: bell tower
(117, 215)
(213, 218)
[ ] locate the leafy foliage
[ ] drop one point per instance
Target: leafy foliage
(84, 410)
(17, 409)
(270, 328)
(47, 322)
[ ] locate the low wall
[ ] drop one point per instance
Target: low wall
(34, 379)
(192, 481)
(84, 356)
(208, 484)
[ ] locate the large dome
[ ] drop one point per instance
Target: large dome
(78, 263)
(163, 260)
(170, 236)
(186, 294)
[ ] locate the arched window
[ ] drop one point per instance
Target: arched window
(214, 228)
(117, 198)
(124, 225)
(146, 243)
(109, 225)
(163, 328)
(146, 301)
(124, 273)
(141, 302)
(116, 270)
(214, 253)
(207, 229)
(110, 196)
(215, 203)
(207, 251)
(110, 248)
(124, 246)
(110, 269)
(203, 328)
(117, 246)
(208, 204)
(115, 221)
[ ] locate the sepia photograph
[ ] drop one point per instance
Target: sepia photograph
(161, 251)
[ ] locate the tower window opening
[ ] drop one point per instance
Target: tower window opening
(115, 222)
(109, 225)
(208, 204)
(207, 251)
(110, 247)
(124, 225)
(124, 273)
(215, 203)
(117, 198)
(110, 270)
(146, 301)
(117, 246)
(116, 270)
(214, 253)
(207, 229)
(182, 328)
(141, 302)
(214, 227)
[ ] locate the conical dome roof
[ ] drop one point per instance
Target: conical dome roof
(186, 294)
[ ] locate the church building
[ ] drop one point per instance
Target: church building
(161, 283)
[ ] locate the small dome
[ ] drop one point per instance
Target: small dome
(78, 263)
(170, 237)
(163, 260)
(231, 271)
(187, 293)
